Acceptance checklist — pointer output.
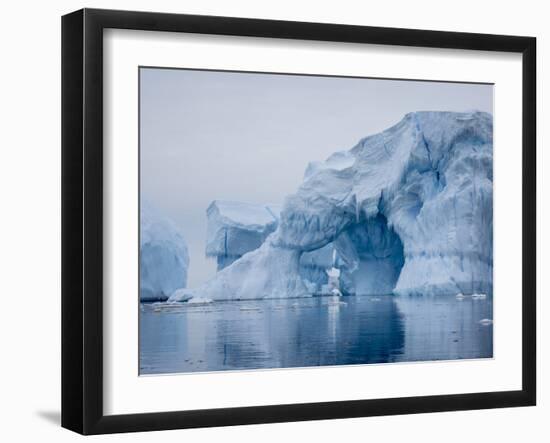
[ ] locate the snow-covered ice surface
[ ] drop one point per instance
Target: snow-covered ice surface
(235, 228)
(409, 211)
(163, 259)
(337, 162)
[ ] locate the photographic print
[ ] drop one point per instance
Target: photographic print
(293, 221)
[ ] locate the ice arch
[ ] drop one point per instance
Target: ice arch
(425, 185)
(378, 257)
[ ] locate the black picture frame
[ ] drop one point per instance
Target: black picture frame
(82, 220)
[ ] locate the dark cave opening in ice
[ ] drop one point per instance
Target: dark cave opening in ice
(378, 260)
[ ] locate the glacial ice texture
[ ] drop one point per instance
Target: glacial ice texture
(163, 259)
(235, 228)
(408, 210)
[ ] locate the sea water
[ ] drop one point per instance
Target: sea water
(317, 331)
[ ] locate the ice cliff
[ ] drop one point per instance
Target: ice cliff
(408, 210)
(163, 258)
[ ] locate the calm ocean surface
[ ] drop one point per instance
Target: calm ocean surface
(312, 332)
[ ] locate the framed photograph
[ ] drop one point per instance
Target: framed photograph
(268, 221)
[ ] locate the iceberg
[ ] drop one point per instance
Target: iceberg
(235, 228)
(408, 211)
(163, 256)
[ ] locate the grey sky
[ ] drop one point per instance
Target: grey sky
(248, 137)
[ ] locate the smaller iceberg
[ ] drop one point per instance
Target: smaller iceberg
(235, 228)
(163, 256)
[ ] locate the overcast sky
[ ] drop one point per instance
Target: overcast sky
(248, 137)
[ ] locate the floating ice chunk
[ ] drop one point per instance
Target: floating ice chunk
(199, 301)
(249, 309)
(335, 301)
(486, 322)
(180, 295)
(479, 296)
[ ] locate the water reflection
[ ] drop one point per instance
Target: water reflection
(444, 328)
(311, 332)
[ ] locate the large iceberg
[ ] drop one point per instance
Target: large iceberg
(163, 256)
(235, 228)
(408, 210)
